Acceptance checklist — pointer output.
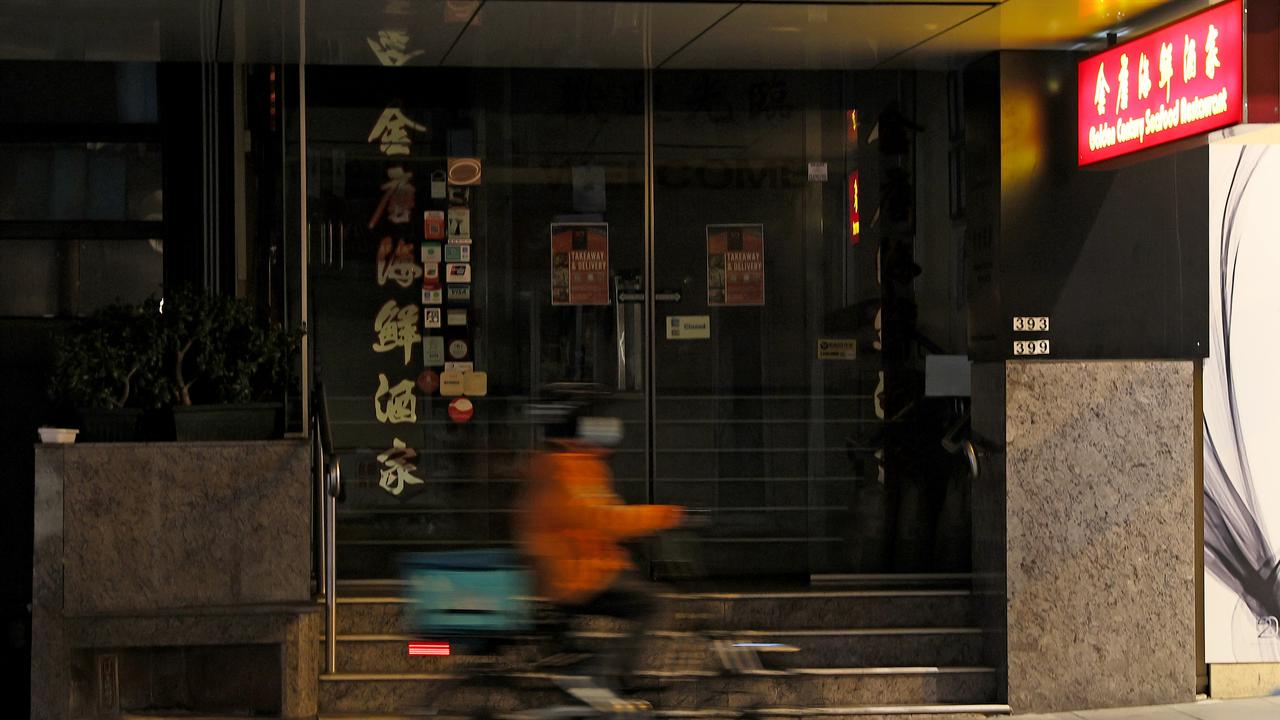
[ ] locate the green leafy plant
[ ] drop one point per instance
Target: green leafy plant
(217, 352)
(190, 348)
(111, 360)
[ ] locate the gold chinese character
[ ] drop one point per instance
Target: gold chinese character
(1211, 63)
(392, 132)
(1188, 58)
(398, 198)
(1144, 77)
(878, 343)
(397, 327)
(401, 405)
(879, 396)
(1101, 89)
(390, 48)
(396, 263)
(1166, 69)
(397, 468)
(1122, 85)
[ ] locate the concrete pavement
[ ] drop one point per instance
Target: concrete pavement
(1253, 709)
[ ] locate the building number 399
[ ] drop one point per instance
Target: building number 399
(1030, 347)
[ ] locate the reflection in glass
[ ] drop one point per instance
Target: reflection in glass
(80, 181)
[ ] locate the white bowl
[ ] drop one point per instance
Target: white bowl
(58, 436)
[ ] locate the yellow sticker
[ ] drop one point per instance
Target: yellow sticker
(475, 384)
(451, 383)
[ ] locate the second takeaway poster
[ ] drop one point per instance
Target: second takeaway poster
(735, 265)
(580, 264)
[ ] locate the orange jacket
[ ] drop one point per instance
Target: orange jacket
(571, 522)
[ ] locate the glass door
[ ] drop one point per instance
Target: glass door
(790, 358)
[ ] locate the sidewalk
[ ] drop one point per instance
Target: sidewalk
(1255, 709)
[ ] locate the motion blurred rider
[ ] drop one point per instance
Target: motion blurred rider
(570, 526)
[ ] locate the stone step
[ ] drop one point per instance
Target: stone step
(877, 647)
(899, 712)
(834, 687)
(737, 611)
(825, 609)
(174, 715)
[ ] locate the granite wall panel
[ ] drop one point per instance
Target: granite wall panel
(171, 545)
(173, 525)
(1101, 558)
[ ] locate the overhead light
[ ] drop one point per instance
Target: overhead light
(931, 26)
(1119, 31)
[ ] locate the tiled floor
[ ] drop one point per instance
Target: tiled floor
(1255, 709)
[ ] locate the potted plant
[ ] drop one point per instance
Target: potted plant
(109, 367)
(229, 373)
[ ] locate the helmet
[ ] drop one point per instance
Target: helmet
(568, 414)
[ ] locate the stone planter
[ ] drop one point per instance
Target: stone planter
(248, 421)
(109, 424)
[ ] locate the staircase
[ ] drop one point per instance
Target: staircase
(905, 651)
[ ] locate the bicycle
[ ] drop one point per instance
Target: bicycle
(479, 602)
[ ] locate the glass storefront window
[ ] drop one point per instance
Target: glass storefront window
(778, 384)
(78, 93)
(80, 181)
(50, 278)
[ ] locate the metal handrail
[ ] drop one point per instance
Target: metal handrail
(333, 486)
(328, 470)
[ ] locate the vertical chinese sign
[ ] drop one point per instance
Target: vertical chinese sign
(398, 272)
(735, 265)
(580, 264)
(1183, 80)
(851, 151)
(855, 213)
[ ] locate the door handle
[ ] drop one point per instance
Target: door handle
(669, 296)
(627, 332)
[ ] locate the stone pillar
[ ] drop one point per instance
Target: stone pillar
(1100, 529)
(147, 551)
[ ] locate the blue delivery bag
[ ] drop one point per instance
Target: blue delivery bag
(480, 594)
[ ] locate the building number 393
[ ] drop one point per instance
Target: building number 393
(1031, 324)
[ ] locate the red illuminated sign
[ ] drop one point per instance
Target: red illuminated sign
(428, 649)
(1182, 80)
(855, 215)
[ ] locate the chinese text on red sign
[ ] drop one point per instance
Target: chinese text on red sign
(1184, 79)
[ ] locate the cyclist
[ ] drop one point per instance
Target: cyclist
(570, 526)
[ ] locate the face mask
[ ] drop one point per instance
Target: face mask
(602, 431)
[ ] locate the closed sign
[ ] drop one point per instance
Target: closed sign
(688, 327)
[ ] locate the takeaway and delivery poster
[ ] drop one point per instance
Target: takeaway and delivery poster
(735, 265)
